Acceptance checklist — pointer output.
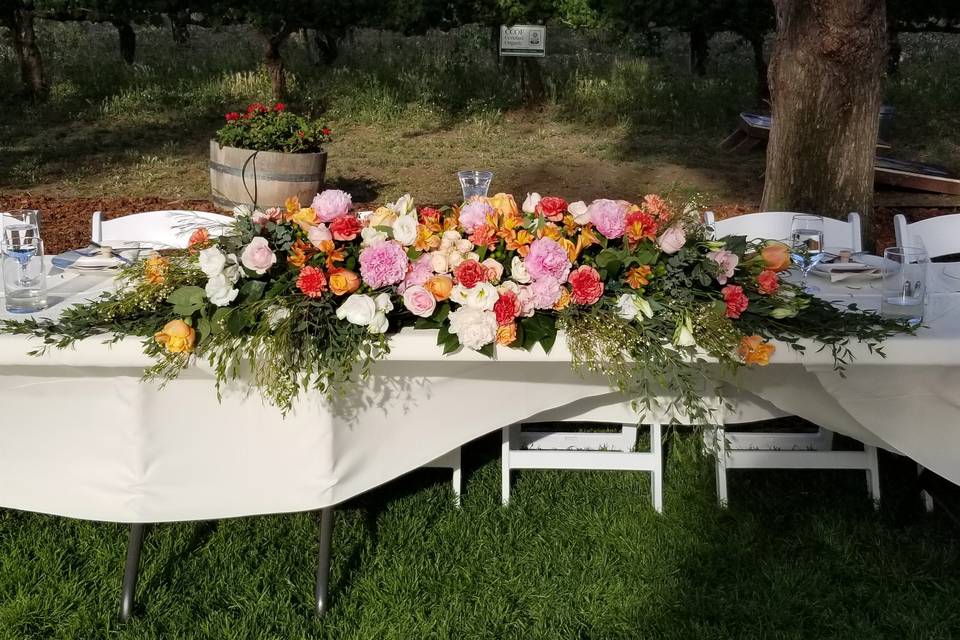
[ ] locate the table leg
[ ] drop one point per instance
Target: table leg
(322, 592)
(131, 571)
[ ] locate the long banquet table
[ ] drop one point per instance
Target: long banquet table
(82, 436)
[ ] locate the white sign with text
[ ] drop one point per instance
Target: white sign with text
(523, 40)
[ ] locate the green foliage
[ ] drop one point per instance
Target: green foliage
(261, 128)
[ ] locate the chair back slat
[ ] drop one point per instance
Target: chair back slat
(939, 236)
(775, 225)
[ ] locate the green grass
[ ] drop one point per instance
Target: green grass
(576, 555)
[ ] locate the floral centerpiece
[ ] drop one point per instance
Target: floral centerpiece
(306, 297)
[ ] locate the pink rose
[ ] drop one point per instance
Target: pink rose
(273, 214)
(609, 217)
(331, 204)
(319, 233)
(383, 263)
(672, 239)
(494, 269)
(257, 256)
(419, 301)
(726, 264)
(547, 259)
(474, 214)
(544, 292)
(420, 271)
(525, 300)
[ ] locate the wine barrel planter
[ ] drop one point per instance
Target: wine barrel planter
(263, 178)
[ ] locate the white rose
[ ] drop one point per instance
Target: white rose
(403, 205)
(578, 210)
(474, 327)
(455, 258)
(630, 306)
(357, 309)
(508, 286)
(220, 291)
(383, 303)
(482, 296)
(518, 271)
(449, 240)
(371, 235)
(212, 261)
(405, 230)
(464, 245)
(378, 324)
(439, 262)
(531, 202)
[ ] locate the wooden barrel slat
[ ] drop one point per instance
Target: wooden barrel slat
(278, 176)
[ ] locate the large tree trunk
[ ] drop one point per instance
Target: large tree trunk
(699, 51)
(825, 76)
(273, 61)
(20, 22)
(128, 40)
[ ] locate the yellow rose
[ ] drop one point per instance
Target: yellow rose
(505, 205)
(343, 281)
(383, 217)
(304, 217)
(176, 336)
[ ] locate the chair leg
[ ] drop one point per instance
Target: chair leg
(505, 465)
(458, 477)
(322, 590)
(924, 494)
(873, 474)
(656, 473)
(131, 571)
(720, 451)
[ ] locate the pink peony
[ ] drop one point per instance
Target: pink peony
(672, 239)
(419, 301)
(547, 259)
(420, 271)
(726, 264)
(609, 217)
(474, 214)
(257, 256)
(383, 263)
(544, 292)
(331, 204)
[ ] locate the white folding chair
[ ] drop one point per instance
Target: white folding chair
(768, 450)
(157, 229)
(939, 236)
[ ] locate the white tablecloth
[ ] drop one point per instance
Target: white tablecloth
(81, 436)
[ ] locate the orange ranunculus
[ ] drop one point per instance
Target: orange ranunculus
(776, 256)
(155, 269)
(505, 205)
(343, 281)
(439, 286)
(563, 301)
(176, 337)
(639, 276)
(293, 205)
(507, 334)
(300, 252)
(754, 350)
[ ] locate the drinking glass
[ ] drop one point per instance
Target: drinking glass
(474, 183)
(24, 277)
(904, 284)
(806, 242)
(30, 217)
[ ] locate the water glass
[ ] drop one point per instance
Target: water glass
(806, 242)
(904, 284)
(24, 276)
(474, 183)
(29, 217)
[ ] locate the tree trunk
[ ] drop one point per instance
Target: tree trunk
(826, 78)
(180, 25)
(274, 63)
(128, 40)
(760, 66)
(699, 51)
(20, 22)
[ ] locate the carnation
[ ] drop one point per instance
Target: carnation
(547, 259)
(609, 217)
(345, 228)
(735, 300)
(506, 308)
(383, 264)
(474, 327)
(312, 282)
(474, 215)
(469, 273)
(768, 282)
(586, 284)
(331, 204)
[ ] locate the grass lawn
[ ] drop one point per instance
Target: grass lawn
(575, 555)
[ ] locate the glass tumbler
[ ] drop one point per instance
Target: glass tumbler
(904, 284)
(474, 183)
(24, 276)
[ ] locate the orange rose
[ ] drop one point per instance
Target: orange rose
(439, 286)
(505, 205)
(343, 281)
(176, 337)
(507, 334)
(776, 256)
(754, 350)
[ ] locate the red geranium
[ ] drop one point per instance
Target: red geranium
(279, 106)
(312, 282)
(470, 273)
(587, 287)
(507, 308)
(256, 107)
(326, 131)
(735, 300)
(232, 116)
(552, 208)
(345, 228)
(768, 282)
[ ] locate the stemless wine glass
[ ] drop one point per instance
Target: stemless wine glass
(24, 277)
(474, 183)
(806, 242)
(904, 284)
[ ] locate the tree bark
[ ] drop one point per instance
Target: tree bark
(19, 20)
(128, 40)
(826, 80)
(699, 51)
(273, 61)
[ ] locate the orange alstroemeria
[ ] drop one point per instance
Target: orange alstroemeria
(754, 350)
(564, 301)
(572, 249)
(155, 270)
(427, 239)
(586, 238)
(292, 204)
(300, 252)
(485, 236)
(517, 240)
(550, 230)
(639, 276)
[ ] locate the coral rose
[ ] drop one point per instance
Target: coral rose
(439, 286)
(735, 300)
(470, 273)
(754, 350)
(552, 208)
(507, 334)
(776, 256)
(176, 337)
(768, 282)
(312, 282)
(343, 281)
(586, 285)
(345, 228)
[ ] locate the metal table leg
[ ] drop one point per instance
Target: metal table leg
(322, 592)
(131, 570)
